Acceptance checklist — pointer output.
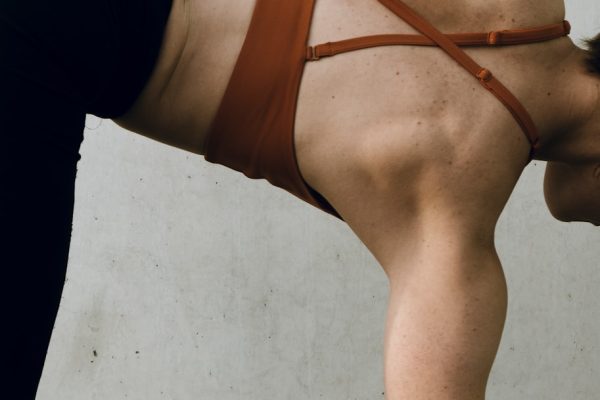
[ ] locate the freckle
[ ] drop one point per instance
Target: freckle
(513, 20)
(474, 329)
(419, 123)
(397, 73)
(549, 93)
(333, 97)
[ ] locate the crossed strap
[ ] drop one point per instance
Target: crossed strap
(449, 43)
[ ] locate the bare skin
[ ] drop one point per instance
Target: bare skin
(416, 156)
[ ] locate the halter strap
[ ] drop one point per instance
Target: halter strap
(449, 43)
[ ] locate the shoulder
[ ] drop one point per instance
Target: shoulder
(392, 191)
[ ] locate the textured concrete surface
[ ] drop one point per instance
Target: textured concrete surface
(187, 281)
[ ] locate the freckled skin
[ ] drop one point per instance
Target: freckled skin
(198, 57)
(417, 157)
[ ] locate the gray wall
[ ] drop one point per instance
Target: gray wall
(187, 281)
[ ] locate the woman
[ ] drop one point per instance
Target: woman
(399, 141)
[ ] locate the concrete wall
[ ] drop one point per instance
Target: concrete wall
(187, 281)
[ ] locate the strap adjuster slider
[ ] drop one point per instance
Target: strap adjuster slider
(484, 75)
(312, 54)
(493, 38)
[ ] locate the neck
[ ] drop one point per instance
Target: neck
(574, 135)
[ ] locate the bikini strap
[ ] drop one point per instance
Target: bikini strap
(485, 76)
(494, 38)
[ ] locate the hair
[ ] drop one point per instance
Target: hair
(593, 59)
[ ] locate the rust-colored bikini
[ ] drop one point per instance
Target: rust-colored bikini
(253, 131)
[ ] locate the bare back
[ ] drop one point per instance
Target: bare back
(395, 137)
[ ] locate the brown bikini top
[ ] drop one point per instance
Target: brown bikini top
(449, 43)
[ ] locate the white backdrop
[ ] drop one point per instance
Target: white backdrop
(187, 281)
